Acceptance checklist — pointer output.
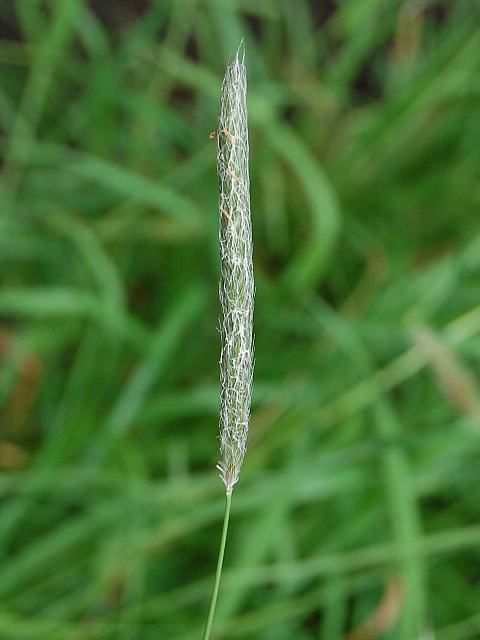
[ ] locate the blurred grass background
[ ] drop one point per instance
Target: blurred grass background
(357, 512)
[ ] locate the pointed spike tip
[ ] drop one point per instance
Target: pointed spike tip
(240, 55)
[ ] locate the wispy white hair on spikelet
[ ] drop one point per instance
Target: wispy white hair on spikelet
(237, 288)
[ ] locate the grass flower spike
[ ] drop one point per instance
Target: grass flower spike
(237, 290)
(236, 281)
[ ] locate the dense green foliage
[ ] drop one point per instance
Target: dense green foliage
(359, 496)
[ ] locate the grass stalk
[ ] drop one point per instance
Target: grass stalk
(218, 572)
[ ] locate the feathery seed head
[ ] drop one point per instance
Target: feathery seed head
(236, 280)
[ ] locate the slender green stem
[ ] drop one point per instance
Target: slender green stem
(218, 573)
